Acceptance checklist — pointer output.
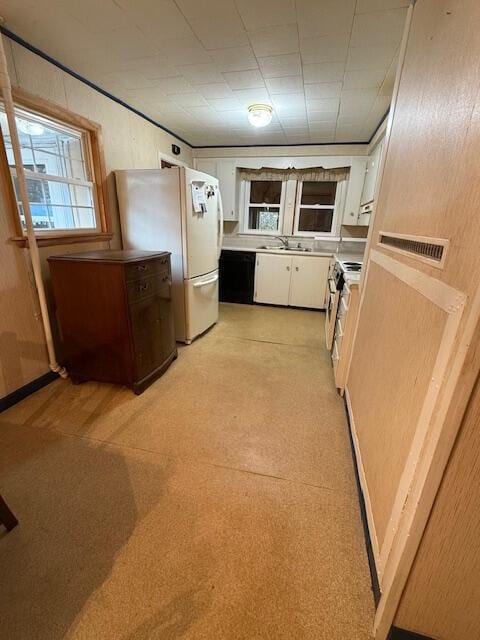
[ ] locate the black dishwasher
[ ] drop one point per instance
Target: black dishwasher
(237, 276)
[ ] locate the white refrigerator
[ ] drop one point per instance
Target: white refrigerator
(177, 210)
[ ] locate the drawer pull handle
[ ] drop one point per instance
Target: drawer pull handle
(143, 287)
(141, 267)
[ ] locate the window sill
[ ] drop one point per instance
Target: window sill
(67, 238)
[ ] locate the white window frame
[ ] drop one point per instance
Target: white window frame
(337, 211)
(245, 189)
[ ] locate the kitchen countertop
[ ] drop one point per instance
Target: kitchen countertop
(327, 254)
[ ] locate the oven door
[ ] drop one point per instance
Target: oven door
(331, 312)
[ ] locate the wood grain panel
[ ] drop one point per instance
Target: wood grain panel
(401, 335)
(429, 188)
(430, 184)
(442, 595)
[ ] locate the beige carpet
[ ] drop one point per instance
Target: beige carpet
(220, 504)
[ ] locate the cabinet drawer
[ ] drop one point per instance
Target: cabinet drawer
(147, 287)
(139, 270)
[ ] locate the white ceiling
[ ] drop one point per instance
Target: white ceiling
(326, 66)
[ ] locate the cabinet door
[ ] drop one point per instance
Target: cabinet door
(272, 278)
(226, 174)
(354, 190)
(309, 281)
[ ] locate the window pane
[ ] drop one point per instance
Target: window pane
(263, 219)
(319, 192)
(57, 151)
(58, 205)
(317, 220)
(265, 191)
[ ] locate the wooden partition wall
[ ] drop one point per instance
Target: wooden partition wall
(415, 357)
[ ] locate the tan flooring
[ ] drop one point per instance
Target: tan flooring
(220, 504)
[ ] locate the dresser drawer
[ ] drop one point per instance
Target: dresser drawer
(139, 270)
(147, 287)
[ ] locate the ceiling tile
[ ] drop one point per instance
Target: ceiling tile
(364, 79)
(286, 84)
(363, 6)
(322, 116)
(324, 49)
(328, 17)
(294, 123)
(231, 34)
(323, 72)
(323, 90)
(367, 56)
(215, 90)
(206, 73)
(279, 66)
(244, 79)
(274, 41)
(381, 27)
(158, 19)
(195, 9)
(189, 99)
(146, 53)
(251, 96)
(174, 85)
(183, 51)
(262, 14)
(234, 59)
(323, 104)
(224, 104)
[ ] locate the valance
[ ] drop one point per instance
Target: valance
(310, 174)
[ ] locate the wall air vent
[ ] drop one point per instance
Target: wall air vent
(429, 250)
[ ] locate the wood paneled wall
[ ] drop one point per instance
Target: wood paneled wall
(410, 377)
(129, 142)
(442, 596)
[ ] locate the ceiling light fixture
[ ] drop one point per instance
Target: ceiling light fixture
(30, 128)
(259, 115)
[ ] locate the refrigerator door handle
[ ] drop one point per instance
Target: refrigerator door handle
(205, 282)
(220, 234)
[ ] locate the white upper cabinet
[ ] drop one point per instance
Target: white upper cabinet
(371, 175)
(225, 171)
(226, 174)
(354, 190)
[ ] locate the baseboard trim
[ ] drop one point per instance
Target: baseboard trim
(401, 634)
(363, 510)
(19, 394)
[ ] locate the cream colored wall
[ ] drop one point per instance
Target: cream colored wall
(129, 142)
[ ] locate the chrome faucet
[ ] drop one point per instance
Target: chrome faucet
(283, 240)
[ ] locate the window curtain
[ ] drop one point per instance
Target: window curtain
(310, 174)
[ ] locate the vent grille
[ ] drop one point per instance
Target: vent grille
(429, 249)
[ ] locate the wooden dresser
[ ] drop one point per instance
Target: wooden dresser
(115, 315)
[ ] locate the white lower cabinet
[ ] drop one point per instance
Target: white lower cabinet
(296, 281)
(272, 278)
(308, 282)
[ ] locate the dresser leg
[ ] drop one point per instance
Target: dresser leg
(6, 516)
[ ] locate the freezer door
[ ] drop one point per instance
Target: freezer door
(201, 304)
(201, 228)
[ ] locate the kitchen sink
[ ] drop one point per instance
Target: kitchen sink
(276, 248)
